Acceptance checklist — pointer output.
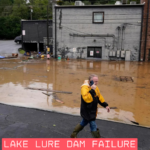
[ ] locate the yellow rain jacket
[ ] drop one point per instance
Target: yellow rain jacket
(89, 100)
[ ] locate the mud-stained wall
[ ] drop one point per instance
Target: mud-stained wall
(75, 31)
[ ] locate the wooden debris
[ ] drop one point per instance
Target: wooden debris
(126, 79)
(48, 90)
(113, 108)
(55, 97)
(14, 55)
(59, 101)
(47, 94)
(132, 121)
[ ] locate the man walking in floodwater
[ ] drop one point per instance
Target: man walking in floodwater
(90, 97)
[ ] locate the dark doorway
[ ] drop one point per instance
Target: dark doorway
(41, 48)
(95, 52)
(33, 46)
(30, 46)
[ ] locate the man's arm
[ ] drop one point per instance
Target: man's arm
(102, 101)
(86, 94)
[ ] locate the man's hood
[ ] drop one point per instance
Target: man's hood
(86, 83)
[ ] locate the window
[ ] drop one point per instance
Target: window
(98, 17)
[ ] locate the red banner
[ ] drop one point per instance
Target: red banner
(68, 143)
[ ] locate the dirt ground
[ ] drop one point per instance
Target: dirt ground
(125, 85)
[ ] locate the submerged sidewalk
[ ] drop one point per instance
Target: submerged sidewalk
(17, 122)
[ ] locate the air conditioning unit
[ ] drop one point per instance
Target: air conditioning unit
(127, 55)
(118, 3)
(118, 53)
(114, 53)
(122, 54)
(78, 3)
(110, 53)
(133, 3)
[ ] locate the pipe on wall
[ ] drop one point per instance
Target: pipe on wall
(123, 36)
(55, 34)
(94, 35)
(118, 28)
(141, 33)
(146, 30)
(123, 29)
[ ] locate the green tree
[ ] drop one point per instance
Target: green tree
(20, 9)
(137, 1)
(60, 2)
(87, 2)
(39, 7)
(4, 4)
(10, 27)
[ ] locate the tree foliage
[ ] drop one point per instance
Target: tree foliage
(39, 7)
(9, 27)
(12, 11)
(3, 5)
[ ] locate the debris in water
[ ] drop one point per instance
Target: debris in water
(126, 79)
(132, 121)
(55, 97)
(2, 57)
(113, 108)
(31, 57)
(47, 94)
(59, 101)
(48, 90)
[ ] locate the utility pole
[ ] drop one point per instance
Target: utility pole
(31, 11)
(47, 25)
(38, 37)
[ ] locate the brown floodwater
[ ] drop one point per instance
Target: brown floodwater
(132, 99)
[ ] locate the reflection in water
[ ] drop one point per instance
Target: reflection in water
(48, 65)
(131, 98)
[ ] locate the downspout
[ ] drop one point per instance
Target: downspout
(123, 34)
(146, 30)
(55, 34)
(22, 34)
(47, 29)
(118, 37)
(141, 33)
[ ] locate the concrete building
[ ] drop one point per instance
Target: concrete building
(103, 32)
(34, 35)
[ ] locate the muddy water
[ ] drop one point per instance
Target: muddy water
(132, 99)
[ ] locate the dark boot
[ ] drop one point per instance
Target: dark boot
(76, 130)
(96, 134)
